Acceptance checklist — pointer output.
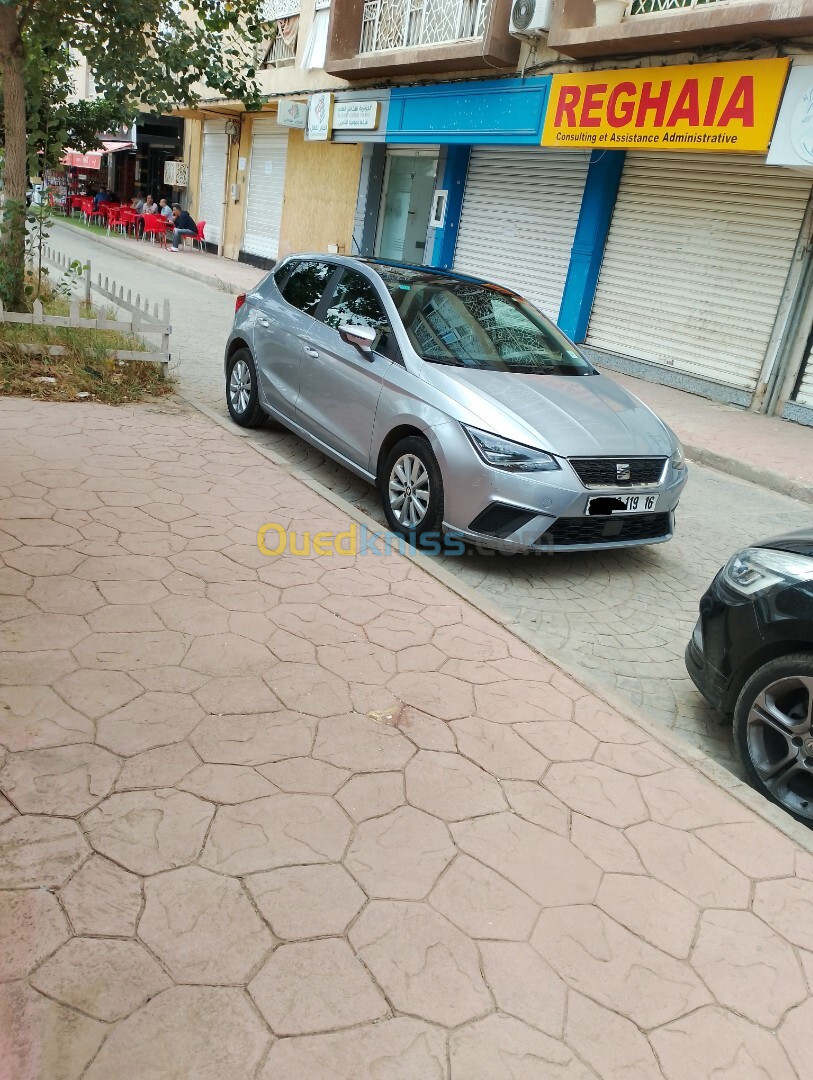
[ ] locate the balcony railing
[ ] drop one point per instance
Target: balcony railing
(661, 7)
(279, 54)
(400, 24)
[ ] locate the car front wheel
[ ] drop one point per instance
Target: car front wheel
(242, 396)
(773, 732)
(412, 489)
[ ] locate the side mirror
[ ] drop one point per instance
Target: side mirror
(362, 337)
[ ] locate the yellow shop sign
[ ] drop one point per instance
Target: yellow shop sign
(728, 107)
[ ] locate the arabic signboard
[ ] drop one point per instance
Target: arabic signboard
(82, 161)
(320, 116)
(292, 114)
(355, 115)
(727, 107)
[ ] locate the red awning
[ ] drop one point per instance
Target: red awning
(82, 161)
(94, 160)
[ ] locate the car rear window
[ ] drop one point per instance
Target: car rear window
(306, 283)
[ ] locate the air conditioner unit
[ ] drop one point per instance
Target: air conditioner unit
(530, 18)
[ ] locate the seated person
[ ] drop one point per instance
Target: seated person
(150, 206)
(100, 197)
(184, 226)
(165, 209)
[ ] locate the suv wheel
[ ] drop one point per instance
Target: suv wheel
(773, 719)
(242, 396)
(412, 489)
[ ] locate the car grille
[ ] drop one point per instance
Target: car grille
(609, 530)
(601, 472)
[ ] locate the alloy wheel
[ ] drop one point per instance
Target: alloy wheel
(780, 742)
(409, 491)
(240, 386)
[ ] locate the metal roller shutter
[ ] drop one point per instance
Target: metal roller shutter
(266, 186)
(213, 179)
(696, 260)
(519, 217)
(804, 392)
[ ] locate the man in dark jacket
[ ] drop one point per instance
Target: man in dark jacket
(184, 226)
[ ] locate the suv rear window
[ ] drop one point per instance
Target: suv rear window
(306, 285)
(281, 274)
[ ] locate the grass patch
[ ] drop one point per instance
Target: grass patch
(84, 372)
(77, 223)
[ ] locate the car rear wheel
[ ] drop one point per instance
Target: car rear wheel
(773, 732)
(242, 396)
(412, 489)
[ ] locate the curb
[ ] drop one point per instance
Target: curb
(713, 772)
(146, 257)
(794, 489)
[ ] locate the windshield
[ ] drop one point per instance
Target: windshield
(465, 324)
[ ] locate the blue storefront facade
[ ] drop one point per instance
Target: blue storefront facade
(464, 159)
(457, 178)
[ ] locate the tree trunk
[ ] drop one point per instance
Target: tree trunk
(15, 178)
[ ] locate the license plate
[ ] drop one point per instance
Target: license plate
(604, 505)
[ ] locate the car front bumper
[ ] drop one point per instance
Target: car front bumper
(727, 637)
(544, 511)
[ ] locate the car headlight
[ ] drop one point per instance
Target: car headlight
(754, 570)
(678, 460)
(504, 454)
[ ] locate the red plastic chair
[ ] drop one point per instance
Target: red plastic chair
(128, 219)
(99, 214)
(154, 225)
(115, 219)
(200, 240)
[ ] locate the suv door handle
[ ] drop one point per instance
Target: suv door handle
(311, 352)
(263, 322)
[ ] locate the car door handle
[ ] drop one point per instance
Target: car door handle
(311, 352)
(263, 322)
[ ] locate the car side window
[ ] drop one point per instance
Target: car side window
(278, 276)
(282, 273)
(305, 286)
(355, 302)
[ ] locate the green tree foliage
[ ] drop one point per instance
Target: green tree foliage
(144, 55)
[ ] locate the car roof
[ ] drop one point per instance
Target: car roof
(373, 263)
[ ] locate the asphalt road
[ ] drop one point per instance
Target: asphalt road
(622, 617)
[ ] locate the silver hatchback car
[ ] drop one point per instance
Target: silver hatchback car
(472, 413)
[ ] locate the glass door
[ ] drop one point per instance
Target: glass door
(406, 202)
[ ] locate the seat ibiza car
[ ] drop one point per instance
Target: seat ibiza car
(751, 656)
(471, 412)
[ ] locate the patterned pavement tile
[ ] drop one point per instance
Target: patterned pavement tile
(330, 821)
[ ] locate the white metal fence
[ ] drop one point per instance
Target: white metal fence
(144, 318)
(399, 24)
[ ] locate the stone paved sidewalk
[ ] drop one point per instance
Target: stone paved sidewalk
(317, 819)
